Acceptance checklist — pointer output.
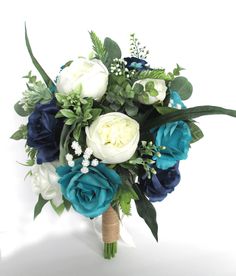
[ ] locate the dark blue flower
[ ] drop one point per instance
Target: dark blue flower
(162, 183)
(137, 64)
(44, 131)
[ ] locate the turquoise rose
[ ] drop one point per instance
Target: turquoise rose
(89, 193)
(176, 101)
(175, 138)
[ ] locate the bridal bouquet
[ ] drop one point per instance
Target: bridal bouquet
(107, 131)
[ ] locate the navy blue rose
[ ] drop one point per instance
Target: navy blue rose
(137, 64)
(44, 131)
(162, 183)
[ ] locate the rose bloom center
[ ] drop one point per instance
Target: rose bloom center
(117, 133)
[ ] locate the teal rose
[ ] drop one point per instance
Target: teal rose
(90, 193)
(172, 141)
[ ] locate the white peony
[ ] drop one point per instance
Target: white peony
(45, 182)
(91, 75)
(113, 137)
(159, 85)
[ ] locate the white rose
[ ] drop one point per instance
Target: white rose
(159, 85)
(113, 137)
(45, 182)
(92, 75)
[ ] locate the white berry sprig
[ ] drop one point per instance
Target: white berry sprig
(86, 161)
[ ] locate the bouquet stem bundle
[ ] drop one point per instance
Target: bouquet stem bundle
(110, 232)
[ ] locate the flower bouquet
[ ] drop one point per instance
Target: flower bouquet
(107, 131)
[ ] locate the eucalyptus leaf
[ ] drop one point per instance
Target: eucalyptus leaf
(112, 49)
(20, 111)
(183, 87)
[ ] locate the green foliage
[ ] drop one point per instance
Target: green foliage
(67, 204)
(112, 51)
(183, 87)
(20, 110)
(164, 109)
(177, 70)
(136, 49)
(98, 46)
(121, 97)
(188, 114)
(58, 209)
(41, 71)
(196, 132)
(39, 206)
(146, 211)
(64, 142)
(21, 133)
(37, 92)
(155, 74)
(123, 198)
(77, 111)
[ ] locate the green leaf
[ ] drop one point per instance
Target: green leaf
(183, 87)
(39, 206)
(177, 70)
(126, 194)
(138, 88)
(164, 109)
(67, 113)
(76, 132)
(17, 135)
(153, 92)
(67, 203)
(188, 114)
(149, 85)
(112, 49)
(146, 211)
(196, 132)
(95, 112)
(98, 46)
(131, 110)
(155, 74)
(64, 141)
(70, 121)
(41, 71)
(58, 209)
(20, 111)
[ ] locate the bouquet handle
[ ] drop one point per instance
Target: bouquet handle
(110, 232)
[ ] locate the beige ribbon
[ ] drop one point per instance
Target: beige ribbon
(110, 226)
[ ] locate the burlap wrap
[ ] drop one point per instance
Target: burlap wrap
(110, 226)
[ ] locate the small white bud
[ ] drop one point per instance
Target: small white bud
(78, 151)
(88, 151)
(71, 163)
(85, 163)
(94, 162)
(84, 170)
(74, 145)
(69, 157)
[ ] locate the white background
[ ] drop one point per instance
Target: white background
(197, 222)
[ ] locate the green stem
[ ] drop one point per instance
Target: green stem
(110, 250)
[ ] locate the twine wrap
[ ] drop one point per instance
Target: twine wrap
(110, 226)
